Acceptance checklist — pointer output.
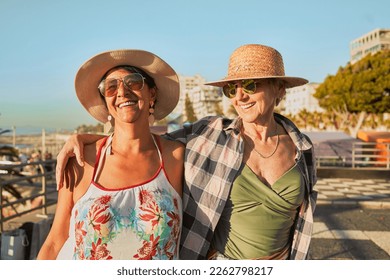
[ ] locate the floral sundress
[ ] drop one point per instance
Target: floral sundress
(141, 222)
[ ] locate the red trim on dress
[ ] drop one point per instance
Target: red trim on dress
(127, 187)
(162, 159)
(97, 159)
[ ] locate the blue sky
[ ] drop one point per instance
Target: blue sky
(44, 42)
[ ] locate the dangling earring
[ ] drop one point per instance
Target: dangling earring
(277, 101)
(151, 113)
(109, 118)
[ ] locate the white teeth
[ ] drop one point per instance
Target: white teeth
(128, 103)
(246, 106)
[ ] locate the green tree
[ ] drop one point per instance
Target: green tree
(189, 109)
(232, 111)
(361, 87)
(218, 109)
(98, 128)
(357, 93)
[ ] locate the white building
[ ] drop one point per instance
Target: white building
(204, 98)
(372, 42)
(186, 84)
(299, 98)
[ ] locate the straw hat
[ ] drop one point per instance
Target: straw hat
(257, 62)
(92, 71)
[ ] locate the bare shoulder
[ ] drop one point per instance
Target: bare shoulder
(91, 151)
(171, 145)
(173, 155)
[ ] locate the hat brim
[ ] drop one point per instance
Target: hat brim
(289, 81)
(92, 71)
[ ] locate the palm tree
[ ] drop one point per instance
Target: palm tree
(232, 111)
(189, 109)
(2, 131)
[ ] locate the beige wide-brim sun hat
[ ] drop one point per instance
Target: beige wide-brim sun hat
(92, 71)
(257, 62)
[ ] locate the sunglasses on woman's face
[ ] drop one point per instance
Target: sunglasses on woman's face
(133, 81)
(248, 86)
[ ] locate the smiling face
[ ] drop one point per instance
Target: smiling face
(128, 105)
(259, 106)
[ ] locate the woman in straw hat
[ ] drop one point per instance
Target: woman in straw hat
(248, 190)
(125, 201)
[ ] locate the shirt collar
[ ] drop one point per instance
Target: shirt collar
(299, 139)
(234, 126)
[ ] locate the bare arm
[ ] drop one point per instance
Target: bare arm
(60, 228)
(59, 231)
(74, 146)
(76, 183)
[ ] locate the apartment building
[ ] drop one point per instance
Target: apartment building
(299, 98)
(372, 42)
(186, 84)
(205, 99)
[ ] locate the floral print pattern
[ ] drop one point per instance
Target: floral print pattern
(140, 223)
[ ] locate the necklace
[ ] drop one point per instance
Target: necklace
(276, 146)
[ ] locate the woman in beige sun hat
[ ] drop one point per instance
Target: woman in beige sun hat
(125, 201)
(248, 181)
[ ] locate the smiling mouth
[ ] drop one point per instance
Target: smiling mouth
(127, 103)
(247, 106)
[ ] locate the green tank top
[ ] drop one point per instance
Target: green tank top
(257, 219)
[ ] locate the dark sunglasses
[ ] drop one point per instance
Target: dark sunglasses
(248, 86)
(133, 81)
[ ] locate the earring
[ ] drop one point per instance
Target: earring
(109, 118)
(277, 101)
(151, 113)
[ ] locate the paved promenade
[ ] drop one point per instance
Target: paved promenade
(352, 221)
(370, 193)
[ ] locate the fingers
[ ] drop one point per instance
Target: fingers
(62, 160)
(60, 168)
(79, 152)
(73, 147)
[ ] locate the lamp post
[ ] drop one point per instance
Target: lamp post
(14, 136)
(43, 142)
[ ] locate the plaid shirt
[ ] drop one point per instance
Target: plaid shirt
(213, 160)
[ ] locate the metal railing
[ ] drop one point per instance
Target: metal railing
(11, 176)
(339, 161)
(371, 155)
